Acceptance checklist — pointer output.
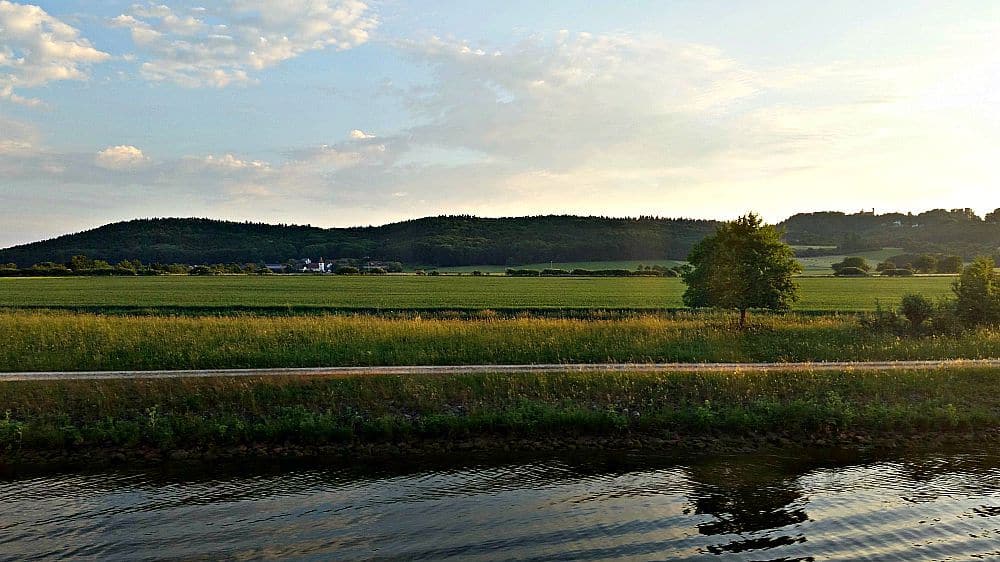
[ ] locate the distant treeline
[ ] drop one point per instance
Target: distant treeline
(84, 266)
(464, 240)
(436, 241)
(958, 231)
(641, 271)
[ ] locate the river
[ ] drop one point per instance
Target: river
(781, 505)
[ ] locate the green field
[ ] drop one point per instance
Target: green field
(409, 292)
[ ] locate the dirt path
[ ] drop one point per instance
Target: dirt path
(469, 369)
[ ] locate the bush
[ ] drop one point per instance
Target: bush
(477, 273)
(917, 309)
(851, 263)
(978, 294)
(420, 272)
(376, 271)
(555, 272)
(435, 273)
(583, 272)
(850, 272)
(523, 272)
(346, 270)
(898, 273)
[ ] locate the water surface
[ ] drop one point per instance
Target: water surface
(777, 506)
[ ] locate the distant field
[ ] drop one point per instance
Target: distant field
(823, 264)
(301, 293)
(630, 265)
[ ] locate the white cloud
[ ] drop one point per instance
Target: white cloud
(122, 157)
(224, 43)
(358, 134)
(36, 48)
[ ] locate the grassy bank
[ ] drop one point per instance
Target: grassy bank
(36, 341)
(200, 414)
(297, 294)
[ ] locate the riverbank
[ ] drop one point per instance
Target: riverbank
(156, 420)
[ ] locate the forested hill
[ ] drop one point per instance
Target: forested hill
(442, 241)
(957, 231)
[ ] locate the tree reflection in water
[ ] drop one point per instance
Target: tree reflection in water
(755, 502)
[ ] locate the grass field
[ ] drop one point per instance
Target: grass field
(208, 413)
(303, 293)
(824, 264)
(62, 341)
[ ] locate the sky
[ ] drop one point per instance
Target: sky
(347, 112)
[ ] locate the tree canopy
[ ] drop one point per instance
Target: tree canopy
(744, 265)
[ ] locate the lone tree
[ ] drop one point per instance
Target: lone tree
(743, 265)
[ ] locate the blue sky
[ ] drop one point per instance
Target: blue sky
(343, 112)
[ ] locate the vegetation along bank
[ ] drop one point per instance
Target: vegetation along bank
(180, 418)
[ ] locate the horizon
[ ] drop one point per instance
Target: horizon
(612, 217)
(344, 112)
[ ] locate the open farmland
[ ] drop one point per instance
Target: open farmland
(318, 293)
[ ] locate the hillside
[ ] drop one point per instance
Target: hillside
(958, 231)
(440, 241)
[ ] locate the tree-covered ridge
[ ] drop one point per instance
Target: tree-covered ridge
(956, 231)
(440, 241)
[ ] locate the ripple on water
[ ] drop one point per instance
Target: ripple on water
(751, 507)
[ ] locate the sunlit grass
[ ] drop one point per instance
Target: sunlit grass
(54, 341)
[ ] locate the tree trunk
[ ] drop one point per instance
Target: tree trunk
(743, 318)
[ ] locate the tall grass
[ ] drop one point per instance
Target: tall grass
(226, 411)
(38, 341)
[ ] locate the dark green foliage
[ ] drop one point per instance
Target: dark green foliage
(916, 309)
(347, 270)
(956, 231)
(950, 264)
(743, 265)
(523, 272)
(555, 272)
(977, 292)
(442, 241)
(855, 263)
(925, 263)
(851, 272)
(897, 272)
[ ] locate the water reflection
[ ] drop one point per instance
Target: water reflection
(801, 506)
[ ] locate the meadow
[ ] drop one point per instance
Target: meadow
(291, 294)
(64, 341)
(203, 414)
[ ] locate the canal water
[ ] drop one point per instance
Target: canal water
(783, 505)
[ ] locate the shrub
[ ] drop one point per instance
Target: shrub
(851, 272)
(477, 273)
(978, 294)
(435, 273)
(555, 272)
(917, 309)
(851, 263)
(346, 270)
(523, 272)
(376, 271)
(585, 272)
(898, 272)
